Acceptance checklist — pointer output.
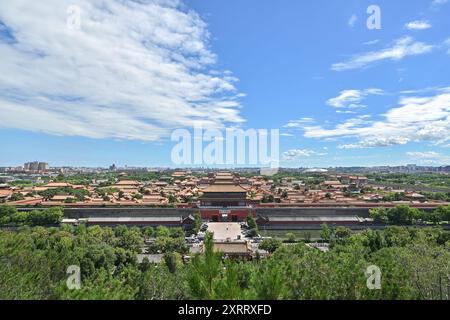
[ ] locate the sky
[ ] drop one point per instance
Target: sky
(346, 83)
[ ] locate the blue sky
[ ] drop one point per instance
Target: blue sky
(113, 89)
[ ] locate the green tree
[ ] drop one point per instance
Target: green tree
(6, 213)
(46, 217)
(137, 196)
(148, 232)
(270, 245)
(131, 239)
(342, 232)
(172, 261)
(269, 282)
(172, 198)
(253, 232)
(326, 232)
(291, 237)
(268, 198)
(443, 212)
(162, 231)
(177, 232)
(402, 215)
(379, 215)
(197, 223)
(16, 197)
(205, 271)
(251, 222)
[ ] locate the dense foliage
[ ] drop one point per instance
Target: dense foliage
(405, 215)
(33, 263)
(417, 179)
(79, 194)
(9, 215)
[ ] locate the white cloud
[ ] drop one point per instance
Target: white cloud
(347, 111)
(369, 43)
(135, 70)
(298, 123)
(352, 98)
(352, 20)
(439, 2)
(427, 154)
(447, 43)
(429, 157)
(401, 48)
(373, 142)
(417, 118)
(418, 25)
(295, 154)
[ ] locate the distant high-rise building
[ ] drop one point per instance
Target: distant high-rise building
(36, 166)
(112, 167)
(42, 166)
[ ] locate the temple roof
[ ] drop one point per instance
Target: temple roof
(224, 188)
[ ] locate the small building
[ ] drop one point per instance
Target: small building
(125, 185)
(55, 185)
(234, 250)
(62, 198)
(414, 196)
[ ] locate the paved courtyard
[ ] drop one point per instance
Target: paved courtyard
(225, 230)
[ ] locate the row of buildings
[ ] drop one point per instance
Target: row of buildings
(215, 190)
(218, 197)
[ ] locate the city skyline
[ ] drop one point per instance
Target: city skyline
(108, 83)
(45, 167)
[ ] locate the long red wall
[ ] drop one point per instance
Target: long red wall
(241, 214)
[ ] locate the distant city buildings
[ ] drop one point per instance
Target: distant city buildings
(36, 166)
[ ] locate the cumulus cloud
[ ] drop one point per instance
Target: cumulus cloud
(401, 48)
(295, 154)
(352, 98)
(132, 70)
(418, 25)
(373, 142)
(417, 118)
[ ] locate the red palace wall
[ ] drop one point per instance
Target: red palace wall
(232, 214)
(313, 223)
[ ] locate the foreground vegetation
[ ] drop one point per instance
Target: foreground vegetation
(415, 264)
(405, 215)
(9, 215)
